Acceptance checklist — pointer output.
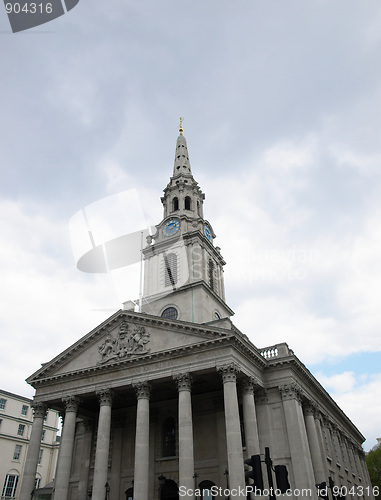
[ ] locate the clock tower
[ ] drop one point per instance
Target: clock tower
(183, 270)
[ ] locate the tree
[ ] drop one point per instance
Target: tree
(373, 462)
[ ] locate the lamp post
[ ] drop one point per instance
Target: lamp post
(195, 476)
(162, 480)
(107, 487)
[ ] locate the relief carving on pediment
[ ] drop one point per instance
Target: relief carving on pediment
(127, 343)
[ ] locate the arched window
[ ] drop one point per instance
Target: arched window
(170, 269)
(175, 204)
(170, 313)
(205, 487)
(169, 437)
(10, 485)
(211, 273)
(169, 490)
(187, 203)
(129, 494)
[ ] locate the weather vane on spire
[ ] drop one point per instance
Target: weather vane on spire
(181, 130)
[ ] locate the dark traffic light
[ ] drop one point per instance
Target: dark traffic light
(322, 490)
(256, 473)
(281, 476)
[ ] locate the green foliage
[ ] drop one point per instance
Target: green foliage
(373, 461)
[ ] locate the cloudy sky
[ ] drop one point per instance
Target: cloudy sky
(281, 101)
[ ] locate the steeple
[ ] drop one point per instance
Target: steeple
(181, 164)
(182, 196)
(183, 270)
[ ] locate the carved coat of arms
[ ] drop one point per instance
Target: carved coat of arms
(127, 343)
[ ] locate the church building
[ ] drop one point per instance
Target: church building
(169, 402)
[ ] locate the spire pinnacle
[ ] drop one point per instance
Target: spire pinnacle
(181, 130)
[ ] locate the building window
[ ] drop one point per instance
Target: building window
(216, 315)
(187, 203)
(37, 482)
(169, 490)
(170, 275)
(206, 488)
(10, 485)
(169, 437)
(2, 403)
(211, 273)
(129, 494)
(40, 457)
(21, 430)
(43, 435)
(24, 410)
(17, 452)
(175, 204)
(170, 313)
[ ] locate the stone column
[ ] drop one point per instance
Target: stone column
(313, 441)
(186, 457)
(250, 418)
(142, 442)
(336, 445)
(297, 438)
(61, 486)
(323, 449)
(27, 485)
(233, 429)
(102, 449)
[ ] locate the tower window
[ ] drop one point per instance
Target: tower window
(175, 204)
(170, 273)
(170, 313)
(211, 274)
(187, 203)
(169, 437)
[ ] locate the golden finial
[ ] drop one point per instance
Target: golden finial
(181, 130)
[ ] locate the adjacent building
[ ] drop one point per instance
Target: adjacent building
(168, 402)
(16, 418)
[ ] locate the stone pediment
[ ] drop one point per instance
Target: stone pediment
(125, 337)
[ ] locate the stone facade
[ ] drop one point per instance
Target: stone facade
(16, 418)
(176, 396)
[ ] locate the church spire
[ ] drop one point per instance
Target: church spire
(181, 165)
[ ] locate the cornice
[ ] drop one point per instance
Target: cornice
(296, 365)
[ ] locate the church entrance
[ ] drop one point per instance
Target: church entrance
(169, 490)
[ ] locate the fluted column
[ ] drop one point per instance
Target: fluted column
(103, 445)
(336, 445)
(250, 418)
(313, 441)
(323, 449)
(297, 437)
(27, 485)
(142, 442)
(233, 428)
(61, 487)
(186, 457)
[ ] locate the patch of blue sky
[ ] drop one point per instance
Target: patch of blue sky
(359, 363)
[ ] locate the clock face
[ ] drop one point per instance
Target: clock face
(171, 227)
(207, 233)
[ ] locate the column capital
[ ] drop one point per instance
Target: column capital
(105, 397)
(229, 372)
(183, 381)
(290, 391)
(39, 409)
(71, 403)
(142, 389)
(310, 408)
(249, 384)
